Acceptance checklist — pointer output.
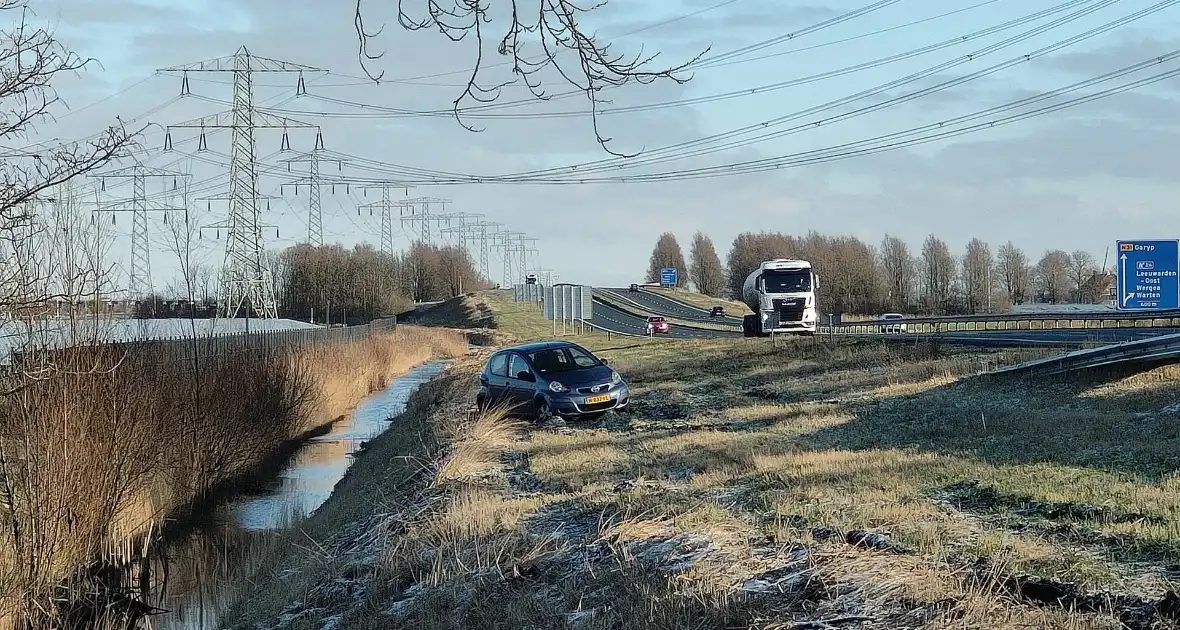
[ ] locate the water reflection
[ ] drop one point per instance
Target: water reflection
(199, 574)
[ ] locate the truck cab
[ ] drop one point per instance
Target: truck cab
(530, 278)
(781, 294)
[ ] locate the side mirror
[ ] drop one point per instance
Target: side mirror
(525, 375)
(604, 360)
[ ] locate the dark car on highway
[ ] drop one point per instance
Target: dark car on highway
(551, 378)
(718, 311)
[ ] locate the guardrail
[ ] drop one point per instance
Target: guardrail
(1016, 321)
(1162, 348)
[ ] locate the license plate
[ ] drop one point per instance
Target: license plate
(594, 400)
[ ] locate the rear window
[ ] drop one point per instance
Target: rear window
(655, 319)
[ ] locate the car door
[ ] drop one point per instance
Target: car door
(495, 378)
(520, 391)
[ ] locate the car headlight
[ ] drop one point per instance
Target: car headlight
(554, 386)
(615, 378)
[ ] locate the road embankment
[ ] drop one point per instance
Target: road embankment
(751, 485)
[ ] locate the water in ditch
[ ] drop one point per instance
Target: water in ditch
(198, 575)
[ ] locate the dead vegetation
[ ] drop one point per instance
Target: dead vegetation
(817, 485)
(98, 456)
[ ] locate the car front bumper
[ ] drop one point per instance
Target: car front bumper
(575, 404)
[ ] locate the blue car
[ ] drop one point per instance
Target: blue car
(552, 378)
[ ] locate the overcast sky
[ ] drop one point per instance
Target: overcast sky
(1076, 178)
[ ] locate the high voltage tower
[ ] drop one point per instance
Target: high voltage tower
(512, 244)
(386, 206)
(140, 284)
(485, 232)
(461, 224)
(420, 210)
(525, 250)
(246, 285)
(315, 218)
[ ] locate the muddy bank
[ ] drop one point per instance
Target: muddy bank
(329, 564)
(207, 564)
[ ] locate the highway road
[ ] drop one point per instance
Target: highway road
(616, 320)
(610, 318)
(668, 307)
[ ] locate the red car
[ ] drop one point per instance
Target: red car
(659, 325)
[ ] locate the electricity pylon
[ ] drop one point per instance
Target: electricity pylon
(140, 284)
(386, 206)
(421, 210)
(246, 285)
(315, 217)
(461, 225)
(485, 233)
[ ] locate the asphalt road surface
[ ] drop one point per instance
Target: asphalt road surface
(613, 319)
(610, 318)
(669, 307)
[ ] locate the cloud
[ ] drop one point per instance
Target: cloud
(1102, 168)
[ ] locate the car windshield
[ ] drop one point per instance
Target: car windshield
(655, 319)
(794, 281)
(892, 316)
(567, 359)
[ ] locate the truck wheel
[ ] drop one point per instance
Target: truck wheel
(749, 324)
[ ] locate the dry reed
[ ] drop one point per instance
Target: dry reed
(97, 456)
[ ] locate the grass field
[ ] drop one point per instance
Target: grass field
(700, 300)
(819, 484)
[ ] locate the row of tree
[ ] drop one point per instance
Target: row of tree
(338, 284)
(856, 277)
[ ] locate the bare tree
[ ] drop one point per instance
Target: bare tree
(31, 60)
(938, 275)
(552, 26)
(897, 267)
(1081, 268)
(1052, 275)
(704, 266)
(666, 254)
(977, 275)
(1013, 272)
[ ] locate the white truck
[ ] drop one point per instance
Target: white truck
(781, 293)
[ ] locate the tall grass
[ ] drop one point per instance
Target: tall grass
(98, 454)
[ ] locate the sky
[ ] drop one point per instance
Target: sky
(1076, 178)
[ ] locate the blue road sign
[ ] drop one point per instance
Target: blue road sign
(668, 277)
(1148, 275)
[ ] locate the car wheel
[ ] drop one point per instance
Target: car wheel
(542, 412)
(481, 403)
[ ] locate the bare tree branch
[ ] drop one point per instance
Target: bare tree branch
(30, 60)
(552, 26)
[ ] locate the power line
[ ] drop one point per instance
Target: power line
(488, 110)
(584, 172)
